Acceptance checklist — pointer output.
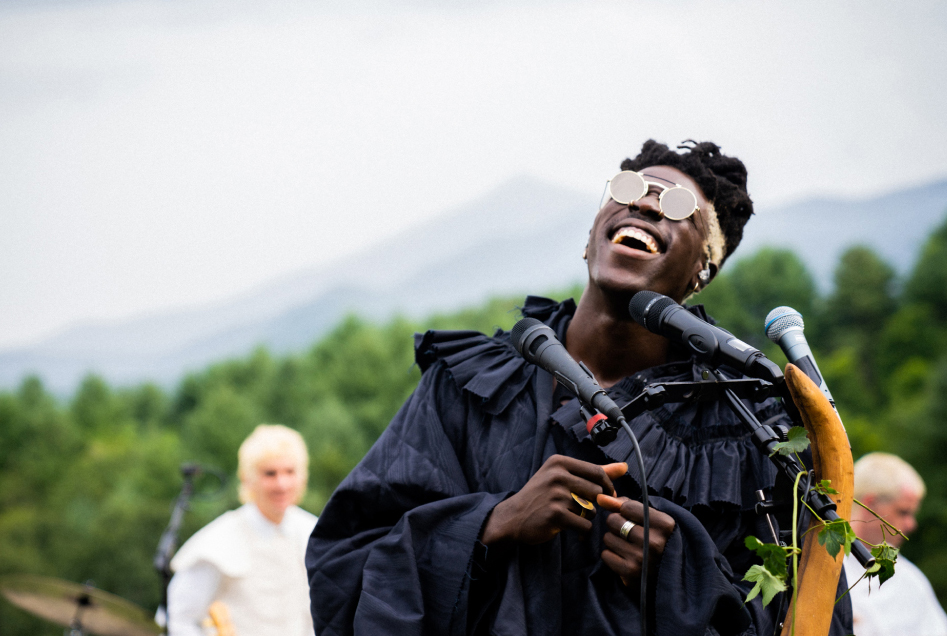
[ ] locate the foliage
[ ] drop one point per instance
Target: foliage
(927, 284)
(863, 298)
(885, 556)
(774, 556)
(795, 443)
(766, 583)
(835, 535)
(86, 487)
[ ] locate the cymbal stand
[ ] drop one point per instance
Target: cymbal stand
(83, 601)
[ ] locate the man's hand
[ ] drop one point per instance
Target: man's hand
(545, 505)
(623, 556)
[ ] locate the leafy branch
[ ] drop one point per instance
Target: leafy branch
(885, 526)
(771, 577)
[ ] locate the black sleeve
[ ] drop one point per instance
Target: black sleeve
(394, 547)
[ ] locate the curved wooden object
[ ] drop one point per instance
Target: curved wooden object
(220, 619)
(832, 459)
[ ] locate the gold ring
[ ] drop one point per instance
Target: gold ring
(586, 506)
(625, 529)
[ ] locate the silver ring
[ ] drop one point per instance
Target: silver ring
(625, 529)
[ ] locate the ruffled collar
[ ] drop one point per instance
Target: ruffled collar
(696, 454)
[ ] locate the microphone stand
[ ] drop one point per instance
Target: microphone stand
(169, 538)
(716, 386)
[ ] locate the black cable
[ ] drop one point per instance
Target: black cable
(645, 525)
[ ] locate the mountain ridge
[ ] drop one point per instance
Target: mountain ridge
(524, 236)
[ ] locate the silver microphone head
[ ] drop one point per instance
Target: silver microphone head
(781, 320)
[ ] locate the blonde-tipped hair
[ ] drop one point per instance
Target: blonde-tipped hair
(265, 442)
(885, 476)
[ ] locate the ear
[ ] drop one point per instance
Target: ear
(870, 500)
(713, 269)
(703, 276)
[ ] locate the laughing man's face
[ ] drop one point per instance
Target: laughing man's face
(634, 247)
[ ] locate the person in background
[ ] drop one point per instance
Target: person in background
(251, 559)
(905, 604)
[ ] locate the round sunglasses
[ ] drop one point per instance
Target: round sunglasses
(675, 202)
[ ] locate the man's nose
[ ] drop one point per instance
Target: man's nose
(648, 205)
(910, 524)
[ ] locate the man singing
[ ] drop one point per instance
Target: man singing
(461, 519)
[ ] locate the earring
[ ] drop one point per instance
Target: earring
(704, 275)
(585, 253)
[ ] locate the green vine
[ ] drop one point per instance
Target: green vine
(772, 576)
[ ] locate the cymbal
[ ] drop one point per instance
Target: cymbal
(58, 601)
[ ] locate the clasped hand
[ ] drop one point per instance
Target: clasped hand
(545, 506)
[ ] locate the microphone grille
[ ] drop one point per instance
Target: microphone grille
(781, 320)
(646, 308)
(520, 329)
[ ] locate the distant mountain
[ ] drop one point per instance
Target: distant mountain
(894, 225)
(526, 236)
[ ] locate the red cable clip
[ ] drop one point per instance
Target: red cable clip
(595, 419)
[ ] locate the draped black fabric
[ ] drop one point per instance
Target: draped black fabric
(396, 549)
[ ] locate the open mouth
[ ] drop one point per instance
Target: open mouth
(636, 239)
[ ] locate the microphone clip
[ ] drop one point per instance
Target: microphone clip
(604, 431)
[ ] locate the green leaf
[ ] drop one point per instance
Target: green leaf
(885, 558)
(835, 535)
(774, 556)
(796, 442)
(825, 487)
(766, 583)
(885, 552)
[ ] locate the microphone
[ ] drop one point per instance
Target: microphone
(659, 314)
(538, 344)
(784, 326)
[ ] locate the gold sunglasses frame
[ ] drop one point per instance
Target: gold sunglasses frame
(664, 190)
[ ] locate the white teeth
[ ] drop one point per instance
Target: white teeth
(638, 235)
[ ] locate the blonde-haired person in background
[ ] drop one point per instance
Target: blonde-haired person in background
(905, 604)
(251, 559)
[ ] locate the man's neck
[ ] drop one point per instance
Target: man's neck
(609, 342)
(273, 515)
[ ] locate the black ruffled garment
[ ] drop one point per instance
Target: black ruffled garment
(396, 549)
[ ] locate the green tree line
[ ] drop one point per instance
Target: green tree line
(87, 484)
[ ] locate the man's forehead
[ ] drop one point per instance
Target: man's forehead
(672, 176)
(906, 498)
(654, 176)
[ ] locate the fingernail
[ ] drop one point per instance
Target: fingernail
(607, 502)
(615, 470)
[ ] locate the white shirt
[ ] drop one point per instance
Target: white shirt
(904, 605)
(254, 566)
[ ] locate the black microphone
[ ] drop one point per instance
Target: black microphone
(538, 344)
(661, 315)
(784, 326)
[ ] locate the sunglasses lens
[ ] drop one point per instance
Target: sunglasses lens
(678, 203)
(627, 186)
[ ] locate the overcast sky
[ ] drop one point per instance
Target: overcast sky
(168, 153)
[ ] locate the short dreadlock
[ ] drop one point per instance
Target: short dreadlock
(722, 178)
